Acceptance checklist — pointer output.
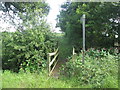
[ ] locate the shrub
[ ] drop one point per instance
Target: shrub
(93, 71)
(95, 53)
(27, 50)
(100, 52)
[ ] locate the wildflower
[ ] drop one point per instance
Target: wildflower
(104, 48)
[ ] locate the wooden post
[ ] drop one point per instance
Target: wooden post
(74, 54)
(49, 68)
(48, 63)
(73, 50)
(51, 62)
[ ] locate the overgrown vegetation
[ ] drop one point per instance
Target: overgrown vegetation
(27, 50)
(24, 52)
(100, 70)
(35, 80)
(65, 47)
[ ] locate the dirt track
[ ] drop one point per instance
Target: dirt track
(55, 72)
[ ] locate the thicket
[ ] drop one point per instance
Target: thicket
(100, 70)
(26, 50)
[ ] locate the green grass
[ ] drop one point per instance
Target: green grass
(31, 80)
(41, 80)
(0, 79)
(111, 82)
(34, 80)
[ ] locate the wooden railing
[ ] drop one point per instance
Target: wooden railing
(74, 51)
(52, 63)
(74, 54)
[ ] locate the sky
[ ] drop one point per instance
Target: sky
(54, 11)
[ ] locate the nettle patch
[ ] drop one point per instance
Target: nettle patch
(94, 70)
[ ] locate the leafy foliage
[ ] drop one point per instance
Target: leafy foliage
(95, 70)
(64, 48)
(101, 18)
(97, 53)
(27, 49)
(29, 13)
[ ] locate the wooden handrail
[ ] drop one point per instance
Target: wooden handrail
(74, 54)
(74, 51)
(51, 62)
(51, 54)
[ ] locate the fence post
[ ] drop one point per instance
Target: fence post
(74, 54)
(48, 58)
(51, 62)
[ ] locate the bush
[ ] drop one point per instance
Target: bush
(27, 50)
(95, 53)
(100, 52)
(93, 71)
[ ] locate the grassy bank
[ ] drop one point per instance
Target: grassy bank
(95, 73)
(33, 80)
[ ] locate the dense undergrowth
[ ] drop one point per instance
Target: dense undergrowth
(100, 70)
(96, 72)
(24, 52)
(65, 48)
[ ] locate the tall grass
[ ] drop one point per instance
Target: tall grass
(0, 78)
(35, 80)
(32, 80)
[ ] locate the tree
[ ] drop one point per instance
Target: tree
(27, 47)
(101, 18)
(22, 12)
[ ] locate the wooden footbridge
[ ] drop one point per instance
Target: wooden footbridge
(54, 63)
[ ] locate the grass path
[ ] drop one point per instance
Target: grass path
(64, 51)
